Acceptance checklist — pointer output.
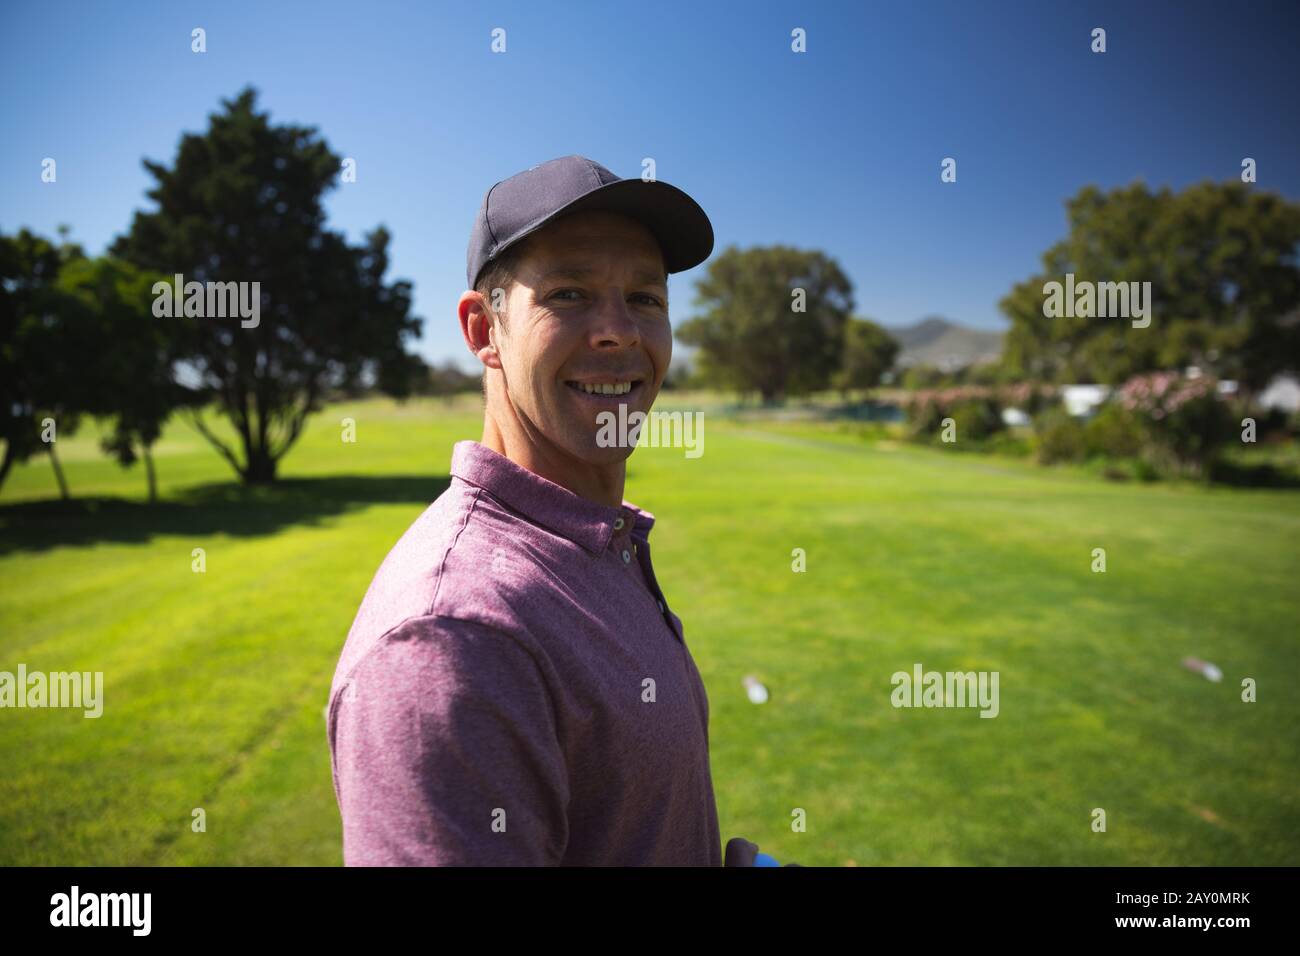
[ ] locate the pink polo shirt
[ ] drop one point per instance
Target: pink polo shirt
(516, 691)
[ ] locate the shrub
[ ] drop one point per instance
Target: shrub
(1129, 469)
(1143, 470)
(1007, 442)
(924, 416)
(1186, 419)
(1115, 432)
(976, 419)
(974, 409)
(1059, 437)
(1293, 424)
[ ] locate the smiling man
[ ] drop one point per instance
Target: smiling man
(515, 689)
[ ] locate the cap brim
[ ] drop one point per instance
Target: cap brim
(681, 227)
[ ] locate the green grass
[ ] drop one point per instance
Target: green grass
(215, 682)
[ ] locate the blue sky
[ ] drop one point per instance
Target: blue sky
(837, 149)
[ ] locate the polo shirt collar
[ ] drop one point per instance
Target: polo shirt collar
(586, 522)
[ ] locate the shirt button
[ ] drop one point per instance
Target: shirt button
(618, 525)
(627, 556)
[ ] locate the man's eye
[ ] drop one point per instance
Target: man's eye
(653, 300)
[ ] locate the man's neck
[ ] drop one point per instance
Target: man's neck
(600, 483)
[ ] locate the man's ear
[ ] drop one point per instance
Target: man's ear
(476, 326)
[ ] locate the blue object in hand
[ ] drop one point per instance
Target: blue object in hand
(762, 859)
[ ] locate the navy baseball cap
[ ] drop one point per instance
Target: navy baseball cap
(517, 207)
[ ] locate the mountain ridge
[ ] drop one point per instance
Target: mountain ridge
(947, 345)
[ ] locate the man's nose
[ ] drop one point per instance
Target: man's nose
(613, 321)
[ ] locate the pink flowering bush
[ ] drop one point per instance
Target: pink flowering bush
(1185, 420)
(972, 407)
(976, 409)
(927, 409)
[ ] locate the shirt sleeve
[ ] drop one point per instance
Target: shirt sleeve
(445, 752)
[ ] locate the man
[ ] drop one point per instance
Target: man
(515, 689)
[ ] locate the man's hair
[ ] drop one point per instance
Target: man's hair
(500, 273)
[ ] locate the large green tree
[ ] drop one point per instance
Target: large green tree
(242, 203)
(869, 352)
(773, 321)
(46, 366)
(133, 379)
(1225, 287)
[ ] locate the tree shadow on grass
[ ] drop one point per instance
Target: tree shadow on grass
(218, 508)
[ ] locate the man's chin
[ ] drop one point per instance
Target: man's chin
(594, 453)
(608, 436)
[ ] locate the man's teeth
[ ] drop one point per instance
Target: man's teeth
(622, 388)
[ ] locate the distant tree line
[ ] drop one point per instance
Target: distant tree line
(1220, 260)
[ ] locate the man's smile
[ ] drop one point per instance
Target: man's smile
(606, 392)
